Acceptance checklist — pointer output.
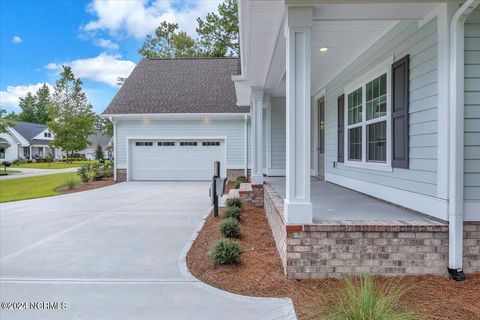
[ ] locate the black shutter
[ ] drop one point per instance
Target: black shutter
(341, 132)
(400, 103)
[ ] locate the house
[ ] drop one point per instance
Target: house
(26, 140)
(358, 121)
(174, 118)
(95, 140)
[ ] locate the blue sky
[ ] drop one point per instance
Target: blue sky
(99, 39)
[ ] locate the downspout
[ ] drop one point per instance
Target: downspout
(246, 146)
(456, 156)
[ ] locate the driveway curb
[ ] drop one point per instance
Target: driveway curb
(287, 304)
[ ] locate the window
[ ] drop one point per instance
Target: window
(166, 144)
(2, 152)
(211, 143)
(47, 134)
(368, 120)
(188, 143)
(144, 144)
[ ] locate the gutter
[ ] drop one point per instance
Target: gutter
(456, 139)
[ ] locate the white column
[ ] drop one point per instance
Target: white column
(257, 140)
(268, 134)
(297, 205)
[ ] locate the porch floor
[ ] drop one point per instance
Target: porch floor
(333, 202)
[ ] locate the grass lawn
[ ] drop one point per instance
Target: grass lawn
(53, 165)
(34, 187)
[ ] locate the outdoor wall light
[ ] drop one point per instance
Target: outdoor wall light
(323, 49)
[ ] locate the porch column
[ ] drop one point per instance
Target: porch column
(257, 131)
(297, 205)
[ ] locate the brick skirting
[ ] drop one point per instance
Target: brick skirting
(333, 248)
(121, 175)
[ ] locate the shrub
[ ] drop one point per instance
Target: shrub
(18, 162)
(229, 227)
(232, 212)
(236, 202)
(70, 184)
(360, 300)
(241, 179)
(84, 173)
(225, 251)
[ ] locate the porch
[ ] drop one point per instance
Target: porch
(331, 202)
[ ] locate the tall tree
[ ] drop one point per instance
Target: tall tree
(72, 116)
(103, 125)
(219, 31)
(168, 42)
(5, 122)
(35, 106)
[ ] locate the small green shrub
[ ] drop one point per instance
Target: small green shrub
(241, 179)
(236, 202)
(84, 173)
(359, 300)
(232, 212)
(18, 162)
(70, 184)
(225, 252)
(237, 185)
(230, 228)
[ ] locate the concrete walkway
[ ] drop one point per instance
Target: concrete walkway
(115, 253)
(29, 172)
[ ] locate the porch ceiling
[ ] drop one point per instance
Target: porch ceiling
(346, 29)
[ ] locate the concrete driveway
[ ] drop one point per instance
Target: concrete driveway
(114, 253)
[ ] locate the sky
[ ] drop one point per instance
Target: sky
(99, 39)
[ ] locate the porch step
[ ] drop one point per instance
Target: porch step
(245, 188)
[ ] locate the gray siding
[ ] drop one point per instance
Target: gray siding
(234, 130)
(421, 44)
(472, 107)
(278, 133)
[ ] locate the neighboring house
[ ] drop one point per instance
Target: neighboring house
(174, 118)
(26, 140)
(380, 97)
(95, 140)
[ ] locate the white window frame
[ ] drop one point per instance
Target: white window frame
(375, 72)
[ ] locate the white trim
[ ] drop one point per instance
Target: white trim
(115, 165)
(268, 134)
(23, 142)
(246, 147)
(432, 206)
(154, 116)
(316, 130)
(271, 172)
(373, 73)
(129, 138)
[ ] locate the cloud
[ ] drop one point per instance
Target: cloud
(103, 68)
(137, 18)
(106, 44)
(16, 39)
(9, 98)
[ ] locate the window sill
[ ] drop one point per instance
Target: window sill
(369, 166)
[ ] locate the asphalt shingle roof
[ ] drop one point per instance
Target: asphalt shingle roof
(99, 139)
(28, 130)
(200, 85)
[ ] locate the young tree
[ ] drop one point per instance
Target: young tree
(98, 153)
(103, 125)
(168, 42)
(72, 116)
(219, 31)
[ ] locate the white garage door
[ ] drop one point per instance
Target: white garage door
(187, 159)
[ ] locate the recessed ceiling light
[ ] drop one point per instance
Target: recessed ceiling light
(323, 49)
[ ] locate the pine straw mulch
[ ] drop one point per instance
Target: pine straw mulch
(260, 274)
(87, 186)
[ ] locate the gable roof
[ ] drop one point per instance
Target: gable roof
(28, 130)
(200, 85)
(99, 139)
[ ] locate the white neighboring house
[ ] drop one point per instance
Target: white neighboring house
(27, 140)
(96, 139)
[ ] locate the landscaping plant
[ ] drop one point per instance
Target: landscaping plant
(226, 252)
(70, 184)
(236, 202)
(239, 180)
(232, 212)
(230, 227)
(360, 300)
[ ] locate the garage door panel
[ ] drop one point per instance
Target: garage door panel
(159, 162)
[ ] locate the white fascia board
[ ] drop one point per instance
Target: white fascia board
(242, 91)
(23, 142)
(175, 116)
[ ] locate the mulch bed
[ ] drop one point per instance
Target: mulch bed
(87, 186)
(261, 274)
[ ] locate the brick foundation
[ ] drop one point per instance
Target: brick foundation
(333, 248)
(232, 174)
(121, 175)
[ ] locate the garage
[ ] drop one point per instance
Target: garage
(174, 159)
